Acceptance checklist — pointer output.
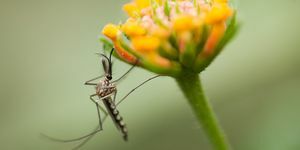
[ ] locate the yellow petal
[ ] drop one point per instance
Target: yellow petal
(131, 28)
(219, 12)
(145, 44)
(111, 31)
(220, 1)
(143, 3)
(183, 23)
(160, 32)
(131, 9)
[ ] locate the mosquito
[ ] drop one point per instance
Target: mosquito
(106, 92)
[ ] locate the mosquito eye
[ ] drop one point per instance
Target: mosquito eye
(109, 77)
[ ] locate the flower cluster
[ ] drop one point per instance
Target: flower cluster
(170, 36)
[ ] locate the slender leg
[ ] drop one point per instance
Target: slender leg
(96, 130)
(136, 88)
(107, 87)
(98, 107)
(126, 72)
(96, 102)
(115, 95)
(89, 82)
(106, 96)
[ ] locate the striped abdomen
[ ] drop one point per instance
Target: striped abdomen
(115, 115)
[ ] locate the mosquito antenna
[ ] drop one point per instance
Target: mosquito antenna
(111, 52)
(137, 88)
(100, 54)
(110, 62)
(103, 55)
(106, 65)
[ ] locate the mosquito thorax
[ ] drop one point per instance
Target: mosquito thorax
(104, 87)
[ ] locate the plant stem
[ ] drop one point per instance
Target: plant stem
(191, 86)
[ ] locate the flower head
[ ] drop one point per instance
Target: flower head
(169, 36)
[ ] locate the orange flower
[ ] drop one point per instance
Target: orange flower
(166, 35)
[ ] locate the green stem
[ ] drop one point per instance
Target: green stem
(191, 86)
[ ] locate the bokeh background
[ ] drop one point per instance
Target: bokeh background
(47, 52)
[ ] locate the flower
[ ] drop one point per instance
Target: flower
(177, 38)
(170, 36)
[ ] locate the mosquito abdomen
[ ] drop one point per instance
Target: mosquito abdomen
(116, 117)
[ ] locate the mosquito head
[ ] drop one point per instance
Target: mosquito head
(108, 76)
(107, 65)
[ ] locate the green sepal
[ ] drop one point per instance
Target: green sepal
(188, 56)
(232, 29)
(169, 53)
(201, 43)
(173, 41)
(174, 70)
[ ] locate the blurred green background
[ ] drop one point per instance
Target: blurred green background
(47, 53)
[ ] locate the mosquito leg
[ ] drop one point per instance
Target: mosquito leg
(96, 130)
(106, 96)
(126, 72)
(98, 107)
(96, 102)
(100, 123)
(115, 95)
(137, 88)
(88, 138)
(89, 82)
(107, 87)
